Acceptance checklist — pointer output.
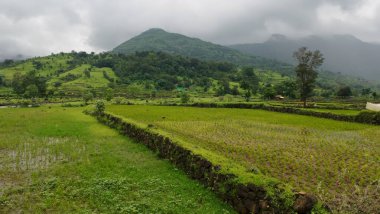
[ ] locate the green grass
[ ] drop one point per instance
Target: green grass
(50, 65)
(329, 158)
(271, 77)
(96, 79)
(4, 90)
(58, 160)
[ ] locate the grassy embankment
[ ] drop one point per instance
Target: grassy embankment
(338, 161)
(60, 160)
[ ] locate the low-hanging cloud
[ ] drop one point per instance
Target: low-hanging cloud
(39, 27)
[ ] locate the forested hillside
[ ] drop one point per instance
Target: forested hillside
(145, 74)
(159, 40)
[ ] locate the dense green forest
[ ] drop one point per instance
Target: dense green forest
(149, 73)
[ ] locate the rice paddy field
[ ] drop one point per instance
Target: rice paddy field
(337, 161)
(59, 160)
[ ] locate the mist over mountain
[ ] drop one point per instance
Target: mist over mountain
(343, 53)
(12, 57)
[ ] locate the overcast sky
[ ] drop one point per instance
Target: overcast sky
(40, 27)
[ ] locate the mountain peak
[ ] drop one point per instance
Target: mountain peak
(277, 37)
(157, 39)
(154, 30)
(347, 37)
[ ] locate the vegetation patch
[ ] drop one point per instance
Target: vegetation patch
(247, 191)
(58, 160)
(321, 156)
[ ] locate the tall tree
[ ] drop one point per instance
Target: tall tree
(344, 92)
(287, 88)
(249, 80)
(18, 83)
(306, 70)
(2, 80)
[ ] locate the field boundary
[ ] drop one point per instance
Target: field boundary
(244, 197)
(365, 117)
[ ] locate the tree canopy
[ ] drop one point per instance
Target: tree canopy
(306, 70)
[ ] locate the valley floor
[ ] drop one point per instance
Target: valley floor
(59, 160)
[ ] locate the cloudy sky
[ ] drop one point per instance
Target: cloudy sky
(40, 27)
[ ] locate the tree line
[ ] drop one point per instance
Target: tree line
(162, 71)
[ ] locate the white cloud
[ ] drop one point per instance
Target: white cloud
(361, 21)
(38, 27)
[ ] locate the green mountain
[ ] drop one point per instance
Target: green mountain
(161, 63)
(159, 40)
(177, 44)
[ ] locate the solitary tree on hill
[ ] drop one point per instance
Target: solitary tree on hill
(306, 70)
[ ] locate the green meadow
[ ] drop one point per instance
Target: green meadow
(59, 160)
(337, 161)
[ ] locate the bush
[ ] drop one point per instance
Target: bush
(185, 97)
(73, 105)
(99, 107)
(371, 117)
(87, 97)
(24, 103)
(117, 100)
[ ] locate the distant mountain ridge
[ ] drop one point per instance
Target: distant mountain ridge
(156, 39)
(161, 41)
(344, 53)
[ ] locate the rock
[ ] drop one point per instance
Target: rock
(252, 195)
(251, 206)
(242, 191)
(217, 168)
(264, 205)
(304, 203)
(240, 208)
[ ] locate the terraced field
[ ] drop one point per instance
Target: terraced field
(338, 161)
(57, 160)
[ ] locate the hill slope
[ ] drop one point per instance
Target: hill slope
(343, 53)
(159, 40)
(62, 72)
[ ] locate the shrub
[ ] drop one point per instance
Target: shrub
(99, 107)
(117, 100)
(87, 97)
(185, 97)
(24, 103)
(371, 117)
